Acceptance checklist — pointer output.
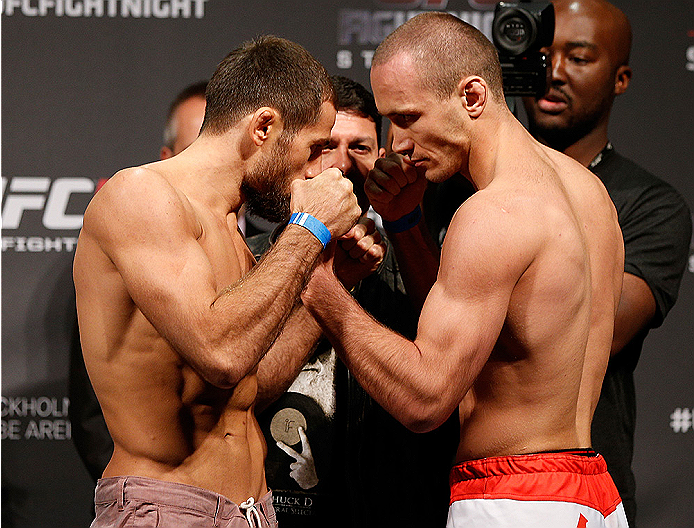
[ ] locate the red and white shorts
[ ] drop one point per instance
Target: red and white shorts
(553, 490)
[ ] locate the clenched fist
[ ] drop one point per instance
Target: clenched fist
(329, 198)
(394, 187)
(359, 252)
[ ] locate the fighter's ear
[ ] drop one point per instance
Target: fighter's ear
(621, 79)
(263, 121)
(473, 92)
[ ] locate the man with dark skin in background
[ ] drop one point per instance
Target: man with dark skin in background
(517, 310)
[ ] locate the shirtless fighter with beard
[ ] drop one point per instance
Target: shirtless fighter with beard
(174, 314)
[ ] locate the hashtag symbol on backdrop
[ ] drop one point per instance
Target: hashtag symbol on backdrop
(681, 420)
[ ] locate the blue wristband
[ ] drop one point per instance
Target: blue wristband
(405, 223)
(315, 226)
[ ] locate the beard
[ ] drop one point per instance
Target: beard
(266, 185)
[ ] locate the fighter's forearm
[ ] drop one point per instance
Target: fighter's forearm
(249, 315)
(391, 368)
(288, 354)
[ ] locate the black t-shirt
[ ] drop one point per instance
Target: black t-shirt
(657, 229)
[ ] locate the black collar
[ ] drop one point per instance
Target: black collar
(597, 159)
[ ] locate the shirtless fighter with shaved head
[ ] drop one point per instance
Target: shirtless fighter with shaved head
(519, 307)
(175, 316)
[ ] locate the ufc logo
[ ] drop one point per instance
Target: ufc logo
(43, 194)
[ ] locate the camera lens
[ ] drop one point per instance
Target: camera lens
(514, 31)
(520, 30)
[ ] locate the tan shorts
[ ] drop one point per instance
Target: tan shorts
(146, 502)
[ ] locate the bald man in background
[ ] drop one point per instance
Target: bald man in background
(184, 120)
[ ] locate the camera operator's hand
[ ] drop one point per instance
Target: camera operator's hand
(394, 187)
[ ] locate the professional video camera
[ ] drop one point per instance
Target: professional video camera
(519, 30)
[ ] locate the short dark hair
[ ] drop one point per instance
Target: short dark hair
(447, 49)
(267, 71)
(194, 90)
(353, 97)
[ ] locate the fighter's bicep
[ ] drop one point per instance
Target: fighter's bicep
(171, 274)
(462, 325)
(154, 249)
(481, 261)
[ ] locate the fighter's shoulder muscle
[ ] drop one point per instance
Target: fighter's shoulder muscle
(494, 229)
(137, 200)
